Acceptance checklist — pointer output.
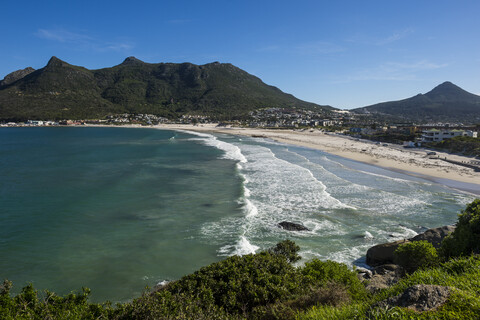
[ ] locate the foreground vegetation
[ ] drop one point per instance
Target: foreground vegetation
(266, 285)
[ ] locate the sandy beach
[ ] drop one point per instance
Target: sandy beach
(411, 161)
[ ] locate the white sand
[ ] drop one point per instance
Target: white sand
(394, 157)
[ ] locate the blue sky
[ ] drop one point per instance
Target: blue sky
(343, 53)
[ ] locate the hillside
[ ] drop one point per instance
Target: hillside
(62, 91)
(446, 102)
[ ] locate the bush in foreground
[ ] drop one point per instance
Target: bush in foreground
(28, 305)
(465, 240)
(256, 286)
(415, 255)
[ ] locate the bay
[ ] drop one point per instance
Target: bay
(118, 209)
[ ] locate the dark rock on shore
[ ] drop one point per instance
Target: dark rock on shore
(383, 277)
(434, 235)
(421, 297)
(383, 253)
(290, 226)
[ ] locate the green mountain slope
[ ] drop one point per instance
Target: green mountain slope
(60, 91)
(446, 102)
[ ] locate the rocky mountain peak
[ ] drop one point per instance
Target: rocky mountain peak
(131, 60)
(55, 62)
(16, 75)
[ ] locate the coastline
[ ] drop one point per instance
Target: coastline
(414, 162)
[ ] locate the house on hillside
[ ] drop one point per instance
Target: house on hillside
(435, 135)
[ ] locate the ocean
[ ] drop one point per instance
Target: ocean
(120, 209)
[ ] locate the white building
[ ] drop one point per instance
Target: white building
(440, 135)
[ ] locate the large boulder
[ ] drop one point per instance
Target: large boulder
(421, 297)
(290, 226)
(383, 253)
(383, 277)
(434, 235)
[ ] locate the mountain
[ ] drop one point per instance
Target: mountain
(16, 75)
(446, 102)
(64, 91)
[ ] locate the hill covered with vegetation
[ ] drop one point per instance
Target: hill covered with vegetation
(64, 91)
(267, 285)
(446, 102)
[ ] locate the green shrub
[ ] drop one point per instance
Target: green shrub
(465, 240)
(288, 249)
(414, 255)
(238, 284)
(320, 273)
(165, 305)
(332, 294)
(28, 304)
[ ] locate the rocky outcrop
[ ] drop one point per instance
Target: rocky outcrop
(383, 253)
(421, 297)
(290, 226)
(16, 75)
(383, 277)
(434, 235)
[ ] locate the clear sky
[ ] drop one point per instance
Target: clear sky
(343, 53)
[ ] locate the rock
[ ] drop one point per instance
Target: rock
(16, 75)
(363, 273)
(421, 297)
(387, 268)
(383, 253)
(434, 235)
(383, 277)
(290, 226)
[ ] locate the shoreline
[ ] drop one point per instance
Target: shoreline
(413, 162)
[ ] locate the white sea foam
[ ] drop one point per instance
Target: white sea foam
(280, 184)
(407, 232)
(250, 209)
(162, 283)
(232, 152)
(242, 247)
(368, 235)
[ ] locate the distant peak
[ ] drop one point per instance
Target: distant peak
(447, 84)
(54, 61)
(131, 60)
(451, 92)
(446, 87)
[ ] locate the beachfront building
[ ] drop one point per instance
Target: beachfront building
(434, 135)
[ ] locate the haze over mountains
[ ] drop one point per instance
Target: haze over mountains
(446, 102)
(64, 91)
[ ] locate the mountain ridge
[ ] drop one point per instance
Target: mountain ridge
(64, 91)
(446, 102)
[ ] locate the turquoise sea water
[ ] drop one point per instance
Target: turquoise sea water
(116, 209)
